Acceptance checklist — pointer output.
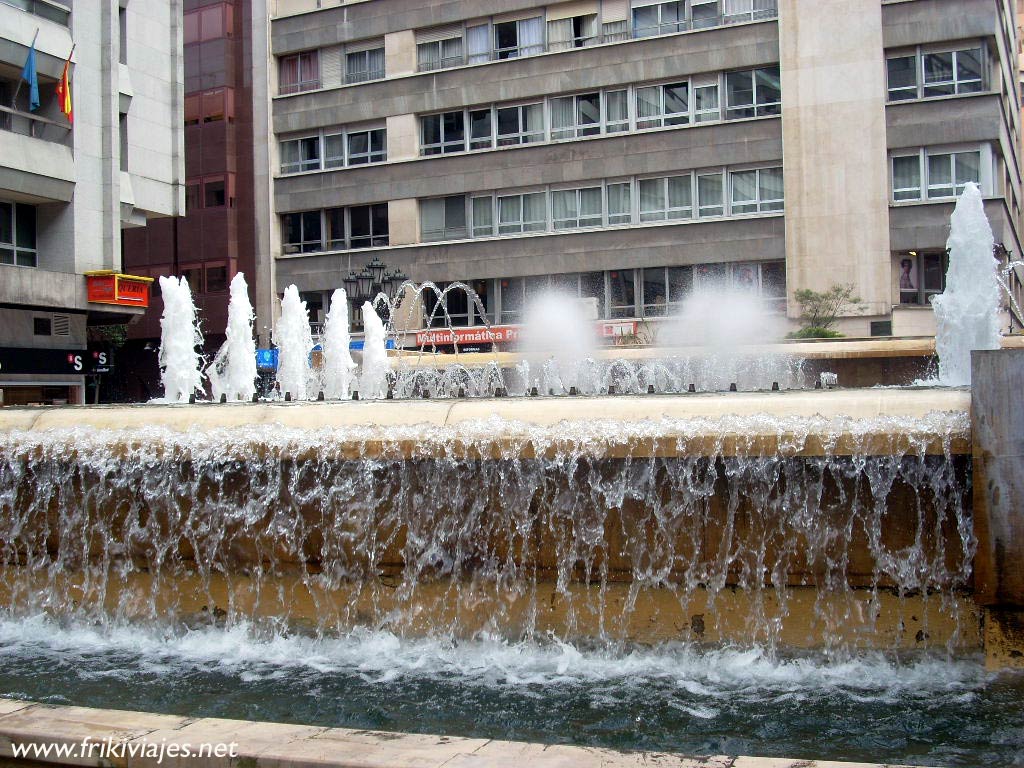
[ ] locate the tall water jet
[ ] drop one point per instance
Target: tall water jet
(373, 378)
(181, 366)
(338, 364)
(967, 312)
(559, 337)
(295, 341)
(723, 320)
(233, 370)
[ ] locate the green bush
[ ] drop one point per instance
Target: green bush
(814, 333)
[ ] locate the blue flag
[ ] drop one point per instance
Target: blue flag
(28, 74)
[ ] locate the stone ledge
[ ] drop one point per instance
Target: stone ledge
(279, 745)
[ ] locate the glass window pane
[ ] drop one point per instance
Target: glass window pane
(680, 197)
(771, 189)
(592, 287)
(7, 223)
(619, 210)
(534, 215)
(25, 225)
(709, 195)
(968, 67)
(563, 208)
(706, 105)
(533, 121)
(938, 67)
(648, 103)
(480, 125)
(623, 293)
(652, 199)
(940, 176)
(769, 90)
(655, 300)
(902, 71)
(483, 217)
(744, 191)
(739, 89)
(906, 178)
(773, 280)
(590, 203)
(968, 168)
(677, 103)
(616, 111)
(335, 228)
(509, 214)
(680, 283)
(508, 121)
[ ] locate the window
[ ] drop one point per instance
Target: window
(216, 279)
(653, 283)
(658, 19)
(706, 104)
(439, 54)
(334, 218)
(666, 198)
(302, 232)
(662, 105)
(443, 133)
(366, 147)
(574, 116)
(622, 292)
(615, 31)
(122, 29)
(753, 93)
(122, 122)
(18, 234)
(934, 174)
(952, 72)
(300, 72)
(193, 196)
(710, 194)
(616, 111)
(214, 193)
(369, 226)
(520, 125)
(519, 38)
(902, 74)
(575, 32)
(483, 216)
(620, 209)
(948, 174)
(705, 13)
(194, 277)
(756, 191)
(935, 73)
(921, 276)
(521, 213)
(513, 298)
(443, 218)
(361, 66)
(210, 23)
(480, 129)
(42, 326)
(334, 150)
(576, 208)
(906, 177)
(299, 155)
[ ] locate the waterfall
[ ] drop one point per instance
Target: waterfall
(233, 370)
(181, 366)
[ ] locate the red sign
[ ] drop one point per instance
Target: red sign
(506, 334)
(498, 334)
(108, 287)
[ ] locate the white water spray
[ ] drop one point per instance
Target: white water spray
(373, 380)
(338, 365)
(967, 312)
(559, 337)
(233, 370)
(180, 365)
(295, 340)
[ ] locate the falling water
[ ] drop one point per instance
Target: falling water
(181, 365)
(967, 312)
(338, 367)
(233, 371)
(295, 340)
(373, 379)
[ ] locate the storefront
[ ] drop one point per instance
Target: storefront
(31, 376)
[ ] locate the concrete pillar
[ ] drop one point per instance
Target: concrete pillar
(403, 137)
(834, 149)
(998, 434)
(403, 222)
(400, 53)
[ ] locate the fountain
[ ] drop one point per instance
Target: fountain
(295, 341)
(559, 343)
(181, 365)
(967, 312)
(373, 379)
(233, 371)
(338, 366)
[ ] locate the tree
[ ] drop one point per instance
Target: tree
(819, 310)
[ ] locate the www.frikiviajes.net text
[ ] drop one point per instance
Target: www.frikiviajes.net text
(118, 749)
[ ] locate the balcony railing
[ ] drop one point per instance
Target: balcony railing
(27, 124)
(44, 9)
(365, 76)
(533, 49)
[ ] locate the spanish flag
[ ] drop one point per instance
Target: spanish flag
(63, 92)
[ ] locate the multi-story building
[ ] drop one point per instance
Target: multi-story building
(67, 191)
(216, 238)
(632, 152)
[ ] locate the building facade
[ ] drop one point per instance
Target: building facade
(216, 238)
(634, 151)
(68, 191)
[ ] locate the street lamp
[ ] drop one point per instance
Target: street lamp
(351, 284)
(377, 268)
(366, 282)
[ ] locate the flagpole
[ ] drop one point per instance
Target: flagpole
(17, 90)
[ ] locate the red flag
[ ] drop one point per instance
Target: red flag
(64, 93)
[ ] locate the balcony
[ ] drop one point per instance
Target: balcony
(36, 156)
(630, 33)
(44, 9)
